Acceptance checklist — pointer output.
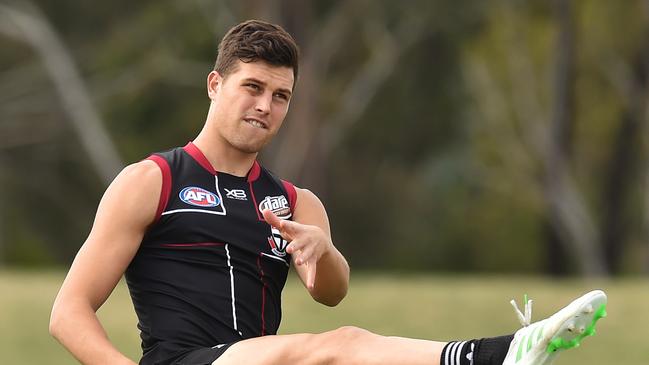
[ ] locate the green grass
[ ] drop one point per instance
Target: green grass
(429, 307)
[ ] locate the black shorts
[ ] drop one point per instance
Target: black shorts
(203, 356)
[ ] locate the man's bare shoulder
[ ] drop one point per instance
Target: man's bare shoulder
(310, 210)
(306, 195)
(145, 171)
(134, 193)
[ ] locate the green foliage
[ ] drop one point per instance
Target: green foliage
(27, 249)
(437, 173)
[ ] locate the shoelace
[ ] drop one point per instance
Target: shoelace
(524, 318)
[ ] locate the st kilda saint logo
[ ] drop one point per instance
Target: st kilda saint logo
(280, 206)
(277, 242)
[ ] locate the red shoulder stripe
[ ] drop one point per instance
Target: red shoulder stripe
(199, 157)
(254, 172)
(166, 184)
(292, 194)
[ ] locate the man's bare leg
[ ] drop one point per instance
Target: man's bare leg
(346, 345)
(535, 344)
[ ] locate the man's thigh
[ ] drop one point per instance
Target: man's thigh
(345, 345)
(303, 349)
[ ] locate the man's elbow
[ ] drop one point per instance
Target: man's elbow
(58, 321)
(55, 324)
(333, 289)
(331, 299)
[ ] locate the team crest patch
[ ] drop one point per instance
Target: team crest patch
(278, 205)
(199, 197)
(277, 243)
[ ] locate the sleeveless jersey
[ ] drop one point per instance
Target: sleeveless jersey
(209, 270)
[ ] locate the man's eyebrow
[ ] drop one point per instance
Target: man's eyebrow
(285, 91)
(281, 89)
(249, 79)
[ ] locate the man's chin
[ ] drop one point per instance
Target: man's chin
(250, 147)
(249, 143)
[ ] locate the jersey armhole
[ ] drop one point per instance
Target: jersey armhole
(166, 184)
(292, 194)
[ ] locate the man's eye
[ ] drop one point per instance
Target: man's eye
(281, 96)
(253, 86)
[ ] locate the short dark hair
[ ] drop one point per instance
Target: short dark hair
(256, 40)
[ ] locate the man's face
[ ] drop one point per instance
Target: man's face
(251, 103)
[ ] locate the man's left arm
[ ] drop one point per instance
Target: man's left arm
(321, 267)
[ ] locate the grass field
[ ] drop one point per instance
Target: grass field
(430, 307)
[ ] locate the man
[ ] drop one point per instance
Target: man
(205, 237)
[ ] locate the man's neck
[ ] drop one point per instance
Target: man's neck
(225, 158)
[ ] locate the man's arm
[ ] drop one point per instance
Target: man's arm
(321, 267)
(126, 209)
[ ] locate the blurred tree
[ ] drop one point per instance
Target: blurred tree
(628, 157)
(29, 25)
(570, 221)
(441, 136)
(550, 147)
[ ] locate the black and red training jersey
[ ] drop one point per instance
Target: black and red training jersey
(209, 270)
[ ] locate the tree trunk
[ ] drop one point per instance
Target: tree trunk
(3, 212)
(573, 225)
(619, 178)
(561, 131)
(557, 259)
(31, 26)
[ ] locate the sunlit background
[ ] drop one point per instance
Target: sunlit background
(471, 138)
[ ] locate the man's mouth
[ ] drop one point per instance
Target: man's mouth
(255, 123)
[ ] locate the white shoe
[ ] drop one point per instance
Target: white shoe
(539, 343)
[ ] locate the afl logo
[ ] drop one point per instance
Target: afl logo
(199, 197)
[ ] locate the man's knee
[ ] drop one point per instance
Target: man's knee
(349, 334)
(337, 346)
(328, 348)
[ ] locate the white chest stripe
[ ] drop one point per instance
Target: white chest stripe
(191, 210)
(234, 308)
(275, 258)
(218, 192)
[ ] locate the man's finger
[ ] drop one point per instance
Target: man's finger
(295, 246)
(305, 255)
(291, 227)
(310, 274)
(288, 229)
(271, 218)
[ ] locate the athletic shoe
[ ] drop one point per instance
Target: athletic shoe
(539, 343)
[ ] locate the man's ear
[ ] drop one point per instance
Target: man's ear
(214, 81)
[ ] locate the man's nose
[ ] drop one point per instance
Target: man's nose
(264, 104)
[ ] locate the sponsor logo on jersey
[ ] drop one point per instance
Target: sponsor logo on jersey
(277, 243)
(278, 205)
(237, 194)
(199, 197)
